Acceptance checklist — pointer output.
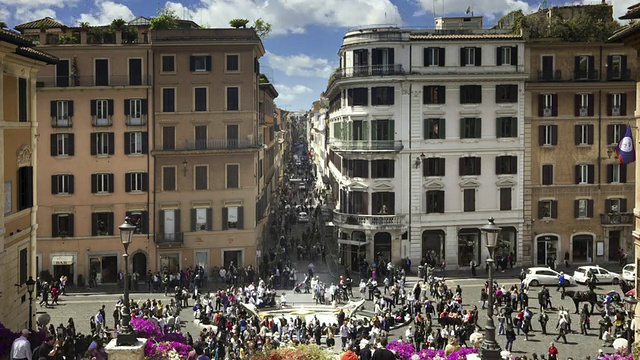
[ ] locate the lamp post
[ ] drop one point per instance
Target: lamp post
(490, 349)
(30, 284)
(126, 335)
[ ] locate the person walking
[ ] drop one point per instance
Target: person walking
(561, 284)
(511, 337)
(584, 319)
(543, 318)
(562, 329)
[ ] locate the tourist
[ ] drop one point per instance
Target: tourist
(21, 348)
(553, 352)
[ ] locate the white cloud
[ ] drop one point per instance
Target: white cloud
(489, 8)
(290, 16)
(37, 3)
(289, 94)
(300, 65)
(106, 12)
(620, 8)
(24, 15)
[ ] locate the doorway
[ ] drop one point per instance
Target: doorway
(232, 256)
(170, 263)
(614, 245)
(547, 250)
(583, 248)
(382, 246)
(140, 264)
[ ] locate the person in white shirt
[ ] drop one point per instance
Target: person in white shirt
(283, 300)
(21, 348)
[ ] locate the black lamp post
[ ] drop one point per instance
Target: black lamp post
(126, 335)
(490, 349)
(30, 284)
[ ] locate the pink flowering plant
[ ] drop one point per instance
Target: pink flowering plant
(620, 354)
(160, 346)
(405, 350)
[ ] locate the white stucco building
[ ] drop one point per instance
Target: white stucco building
(426, 142)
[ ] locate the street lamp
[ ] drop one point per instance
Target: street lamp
(30, 284)
(126, 335)
(490, 349)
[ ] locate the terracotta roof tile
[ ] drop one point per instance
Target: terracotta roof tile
(36, 24)
(24, 47)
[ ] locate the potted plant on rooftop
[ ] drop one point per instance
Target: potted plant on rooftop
(239, 23)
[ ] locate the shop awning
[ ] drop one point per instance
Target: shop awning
(62, 260)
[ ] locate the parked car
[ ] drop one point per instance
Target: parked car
(629, 272)
(303, 217)
(545, 276)
(603, 275)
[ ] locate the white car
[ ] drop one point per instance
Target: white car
(303, 217)
(629, 272)
(603, 275)
(545, 276)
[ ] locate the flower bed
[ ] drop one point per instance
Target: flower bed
(159, 345)
(407, 351)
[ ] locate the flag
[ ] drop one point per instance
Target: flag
(625, 150)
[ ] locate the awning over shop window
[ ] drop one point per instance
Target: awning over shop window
(62, 260)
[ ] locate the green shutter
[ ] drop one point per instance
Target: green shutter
(392, 130)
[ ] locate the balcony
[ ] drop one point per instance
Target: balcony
(367, 70)
(219, 144)
(364, 145)
(581, 75)
(136, 121)
(169, 239)
(619, 75)
(617, 219)
(101, 121)
(550, 75)
(369, 221)
(61, 122)
(113, 80)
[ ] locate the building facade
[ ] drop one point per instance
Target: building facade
(19, 139)
(580, 98)
(427, 142)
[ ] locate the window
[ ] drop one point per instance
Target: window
(435, 201)
(62, 144)
(434, 56)
(470, 128)
(382, 95)
(470, 56)
(62, 73)
(202, 219)
(101, 224)
(62, 225)
(23, 262)
(61, 113)
(169, 178)
(505, 199)
(469, 166)
(469, 200)
(616, 173)
(583, 104)
(358, 129)
(506, 94)
(232, 217)
(507, 127)
(202, 177)
(168, 100)
(433, 167)
(232, 136)
(356, 168)
(584, 173)
(101, 112)
(357, 97)
(583, 134)
(506, 165)
(62, 184)
(615, 133)
(583, 208)
(584, 68)
(168, 138)
(102, 72)
(617, 104)
(507, 55)
(434, 129)
(135, 71)
(433, 95)
(233, 98)
(200, 63)
(547, 135)
(136, 182)
(139, 219)
(102, 144)
(200, 132)
(547, 209)
(136, 142)
(548, 105)
(25, 187)
(200, 99)
(617, 67)
(233, 181)
(102, 183)
(134, 109)
(382, 169)
(615, 205)
(547, 174)
(22, 100)
(168, 63)
(470, 94)
(233, 62)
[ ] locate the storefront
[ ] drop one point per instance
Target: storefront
(104, 269)
(169, 262)
(582, 248)
(433, 245)
(232, 257)
(468, 246)
(547, 249)
(507, 243)
(382, 246)
(63, 265)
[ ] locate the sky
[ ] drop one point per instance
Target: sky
(301, 50)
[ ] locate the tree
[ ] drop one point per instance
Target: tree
(262, 27)
(239, 23)
(166, 20)
(3, 25)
